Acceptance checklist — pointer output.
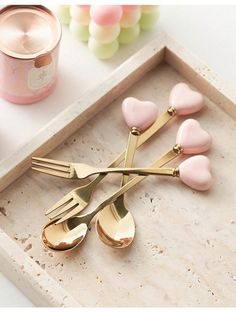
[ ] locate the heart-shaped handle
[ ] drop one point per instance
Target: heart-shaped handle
(185, 100)
(192, 138)
(196, 173)
(139, 114)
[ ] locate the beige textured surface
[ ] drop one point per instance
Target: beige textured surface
(184, 252)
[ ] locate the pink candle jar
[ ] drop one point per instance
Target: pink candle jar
(29, 45)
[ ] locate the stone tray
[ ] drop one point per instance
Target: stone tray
(184, 251)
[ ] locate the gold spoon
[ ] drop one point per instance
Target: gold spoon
(115, 225)
(139, 116)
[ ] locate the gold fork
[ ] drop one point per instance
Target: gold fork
(156, 165)
(83, 171)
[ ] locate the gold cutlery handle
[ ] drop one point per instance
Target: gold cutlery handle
(157, 125)
(128, 162)
(129, 155)
(139, 171)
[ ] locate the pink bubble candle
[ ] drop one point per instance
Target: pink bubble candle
(105, 15)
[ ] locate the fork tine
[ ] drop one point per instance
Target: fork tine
(53, 172)
(73, 212)
(60, 203)
(51, 166)
(52, 161)
(65, 209)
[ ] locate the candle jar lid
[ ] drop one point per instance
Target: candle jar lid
(28, 31)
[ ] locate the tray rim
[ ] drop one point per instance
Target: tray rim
(43, 290)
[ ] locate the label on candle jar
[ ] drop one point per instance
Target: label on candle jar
(42, 76)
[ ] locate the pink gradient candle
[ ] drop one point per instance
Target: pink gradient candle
(29, 45)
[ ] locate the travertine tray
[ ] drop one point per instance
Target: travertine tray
(184, 252)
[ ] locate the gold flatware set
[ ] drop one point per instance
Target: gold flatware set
(115, 224)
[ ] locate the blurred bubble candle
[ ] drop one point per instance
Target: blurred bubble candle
(80, 19)
(29, 44)
(107, 27)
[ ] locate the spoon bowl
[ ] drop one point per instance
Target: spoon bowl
(115, 229)
(64, 236)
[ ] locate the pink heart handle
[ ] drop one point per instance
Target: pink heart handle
(196, 173)
(139, 114)
(185, 100)
(192, 138)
